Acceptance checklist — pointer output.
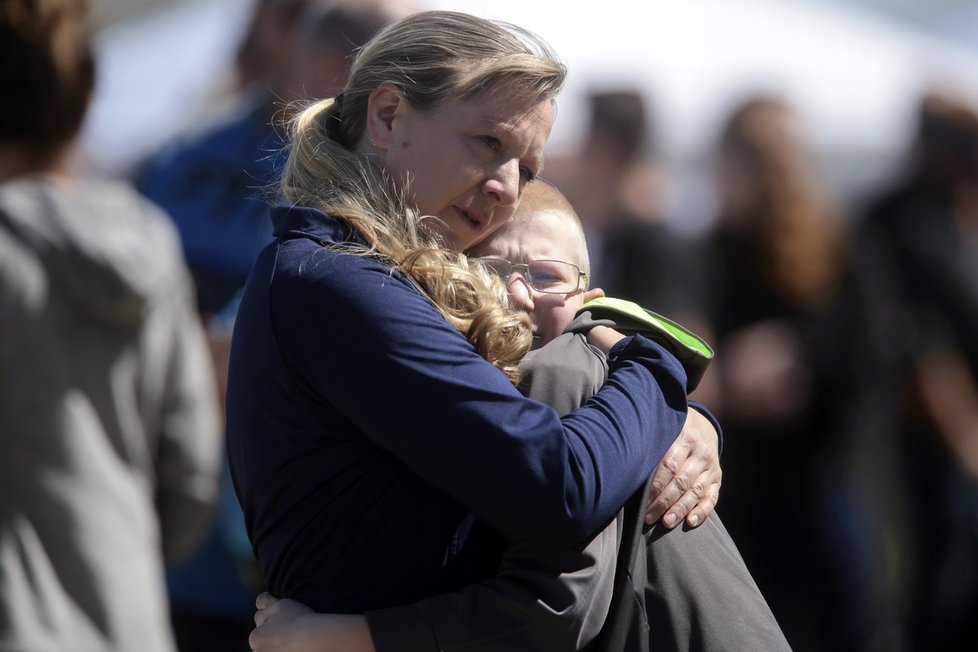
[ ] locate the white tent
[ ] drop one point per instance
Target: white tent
(854, 77)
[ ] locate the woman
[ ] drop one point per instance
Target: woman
(366, 434)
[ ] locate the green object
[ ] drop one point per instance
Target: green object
(629, 317)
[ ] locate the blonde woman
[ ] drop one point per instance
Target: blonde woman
(374, 432)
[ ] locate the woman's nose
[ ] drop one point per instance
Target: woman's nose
(504, 184)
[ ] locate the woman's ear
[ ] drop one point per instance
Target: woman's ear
(382, 105)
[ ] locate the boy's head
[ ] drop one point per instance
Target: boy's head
(546, 234)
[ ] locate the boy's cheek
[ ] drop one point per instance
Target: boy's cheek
(553, 314)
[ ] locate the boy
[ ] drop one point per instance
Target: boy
(692, 584)
(686, 594)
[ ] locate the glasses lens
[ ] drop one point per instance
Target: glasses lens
(554, 276)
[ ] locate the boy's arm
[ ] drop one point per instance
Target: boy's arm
(686, 482)
(542, 599)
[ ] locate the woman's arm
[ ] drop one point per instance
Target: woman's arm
(407, 379)
(541, 598)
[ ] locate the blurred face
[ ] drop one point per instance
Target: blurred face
(546, 237)
(467, 162)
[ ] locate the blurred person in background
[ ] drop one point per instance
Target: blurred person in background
(914, 281)
(617, 186)
(215, 185)
(775, 257)
(109, 421)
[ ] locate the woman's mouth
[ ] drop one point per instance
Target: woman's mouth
(475, 220)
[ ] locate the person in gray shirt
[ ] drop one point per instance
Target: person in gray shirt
(110, 435)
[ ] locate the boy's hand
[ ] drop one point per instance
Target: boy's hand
(686, 482)
(603, 337)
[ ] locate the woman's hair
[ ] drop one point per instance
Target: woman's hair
(431, 57)
(47, 74)
(475, 302)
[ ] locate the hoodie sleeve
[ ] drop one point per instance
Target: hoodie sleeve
(190, 439)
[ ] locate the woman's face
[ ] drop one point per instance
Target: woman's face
(467, 162)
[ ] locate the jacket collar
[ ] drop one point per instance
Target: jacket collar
(303, 222)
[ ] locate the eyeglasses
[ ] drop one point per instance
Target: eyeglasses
(548, 276)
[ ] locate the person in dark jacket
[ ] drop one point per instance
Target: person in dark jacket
(359, 304)
(628, 589)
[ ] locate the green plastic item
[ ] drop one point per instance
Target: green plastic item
(629, 317)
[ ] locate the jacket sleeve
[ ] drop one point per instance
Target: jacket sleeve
(384, 356)
(542, 598)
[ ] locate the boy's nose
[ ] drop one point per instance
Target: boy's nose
(520, 293)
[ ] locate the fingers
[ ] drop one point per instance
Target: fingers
(686, 482)
(593, 293)
(694, 503)
(265, 603)
(255, 639)
(705, 507)
(265, 599)
(665, 491)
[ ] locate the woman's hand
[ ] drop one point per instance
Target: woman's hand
(289, 626)
(686, 482)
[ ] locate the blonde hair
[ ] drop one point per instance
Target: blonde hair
(431, 56)
(543, 197)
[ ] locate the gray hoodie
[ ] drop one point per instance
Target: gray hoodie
(110, 435)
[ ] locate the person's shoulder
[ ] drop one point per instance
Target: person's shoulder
(341, 272)
(243, 138)
(564, 372)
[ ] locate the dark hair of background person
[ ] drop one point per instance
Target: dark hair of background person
(946, 146)
(619, 118)
(48, 73)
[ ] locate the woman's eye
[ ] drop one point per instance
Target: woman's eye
(492, 142)
(527, 174)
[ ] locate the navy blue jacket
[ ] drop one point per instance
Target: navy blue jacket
(363, 430)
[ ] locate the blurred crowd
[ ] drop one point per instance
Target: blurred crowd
(846, 374)
(846, 332)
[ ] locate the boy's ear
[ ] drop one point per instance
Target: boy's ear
(593, 293)
(383, 104)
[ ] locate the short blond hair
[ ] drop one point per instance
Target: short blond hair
(542, 197)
